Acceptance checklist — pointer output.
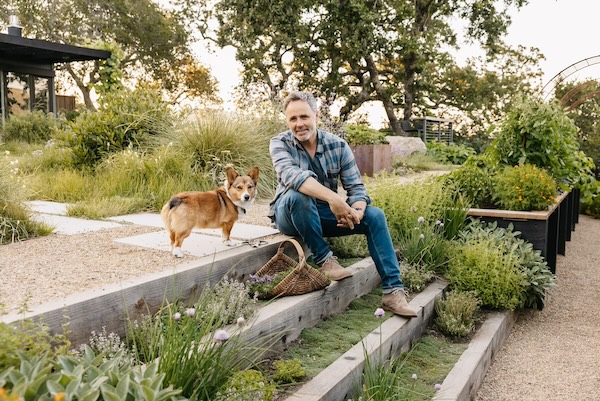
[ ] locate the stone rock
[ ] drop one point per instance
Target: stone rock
(406, 145)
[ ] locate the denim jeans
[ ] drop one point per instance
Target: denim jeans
(300, 215)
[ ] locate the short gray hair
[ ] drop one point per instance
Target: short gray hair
(305, 96)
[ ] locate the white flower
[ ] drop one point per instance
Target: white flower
(177, 316)
(221, 336)
(421, 219)
(190, 312)
(422, 236)
(241, 321)
(414, 376)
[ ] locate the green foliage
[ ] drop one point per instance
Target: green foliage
(349, 246)
(421, 215)
(247, 385)
(288, 371)
(503, 254)
(27, 340)
(450, 153)
(362, 135)
(87, 377)
(415, 278)
(15, 221)
(524, 187)
(474, 183)
(125, 119)
(191, 346)
(30, 127)
(457, 313)
(590, 199)
(539, 133)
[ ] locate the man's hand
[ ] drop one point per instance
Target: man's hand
(352, 217)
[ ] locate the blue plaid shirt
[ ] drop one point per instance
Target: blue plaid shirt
(292, 165)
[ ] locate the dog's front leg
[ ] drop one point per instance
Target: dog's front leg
(227, 235)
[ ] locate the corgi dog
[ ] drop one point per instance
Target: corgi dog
(214, 209)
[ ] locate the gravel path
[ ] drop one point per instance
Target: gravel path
(554, 354)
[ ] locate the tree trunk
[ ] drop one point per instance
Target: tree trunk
(388, 105)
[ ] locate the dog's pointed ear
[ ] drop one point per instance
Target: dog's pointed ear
(254, 174)
(231, 175)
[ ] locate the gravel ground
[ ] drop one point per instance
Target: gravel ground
(554, 354)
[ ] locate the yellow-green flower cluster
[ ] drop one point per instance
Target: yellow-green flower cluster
(524, 187)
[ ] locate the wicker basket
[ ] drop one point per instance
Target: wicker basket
(303, 279)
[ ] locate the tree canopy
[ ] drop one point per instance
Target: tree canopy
(396, 52)
(147, 42)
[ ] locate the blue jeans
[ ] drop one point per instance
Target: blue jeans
(300, 215)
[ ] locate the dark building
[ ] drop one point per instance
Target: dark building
(27, 70)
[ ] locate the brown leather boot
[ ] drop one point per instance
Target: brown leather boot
(333, 270)
(396, 302)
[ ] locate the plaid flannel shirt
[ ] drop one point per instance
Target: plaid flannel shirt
(292, 165)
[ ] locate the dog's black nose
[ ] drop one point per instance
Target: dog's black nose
(246, 197)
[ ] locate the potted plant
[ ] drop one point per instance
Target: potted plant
(371, 150)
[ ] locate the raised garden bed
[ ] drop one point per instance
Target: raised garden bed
(546, 230)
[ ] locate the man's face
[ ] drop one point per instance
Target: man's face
(301, 120)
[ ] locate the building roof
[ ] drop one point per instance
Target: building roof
(34, 51)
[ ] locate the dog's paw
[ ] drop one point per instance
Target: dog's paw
(229, 242)
(177, 252)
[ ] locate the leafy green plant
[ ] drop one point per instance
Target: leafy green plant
(503, 254)
(415, 277)
(449, 153)
(31, 127)
(457, 313)
(288, 371)
(474, 183)
(262, 287)
(349, 246)
(125, 118)
(15, 221)
(524, 187)
(363, 135)
(539, 133)
(247, 385)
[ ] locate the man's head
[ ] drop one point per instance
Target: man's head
(301, 115)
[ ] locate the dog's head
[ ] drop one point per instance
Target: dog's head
(241, 189)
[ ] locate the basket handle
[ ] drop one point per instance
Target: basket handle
(296, 245)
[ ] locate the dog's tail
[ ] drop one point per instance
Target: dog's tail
(166, 211)
(174, 202)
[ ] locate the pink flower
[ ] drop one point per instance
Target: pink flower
(379, 312)
(190, 312)
(221, 336)
(241, 321)
(177, 316)
(437, 386)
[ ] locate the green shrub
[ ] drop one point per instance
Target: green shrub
(449, 153)
(488, 271)
(363, 135)
(89, 377)
(349, 246)
(27, 340)
(474, 183)
(499, 256)
(288, 371)
(524, 187)
(15, 221)
(124, 119)
(457, 313)
(415, 278)
(31, 127)
(247, 385)
(539, 133)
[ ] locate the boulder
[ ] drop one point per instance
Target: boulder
(406, 145)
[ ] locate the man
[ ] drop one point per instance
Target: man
(309, 164)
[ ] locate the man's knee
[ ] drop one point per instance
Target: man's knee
(374, 215)
(297, 199)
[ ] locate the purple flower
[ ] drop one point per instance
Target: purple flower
(438, 223)
(379, 312)
(177, 316)
(221, 336)
(421, 219)
(190, 312)
(437, 386)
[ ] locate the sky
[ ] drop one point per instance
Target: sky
(565, 31)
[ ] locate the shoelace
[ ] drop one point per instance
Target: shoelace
(401, 290)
